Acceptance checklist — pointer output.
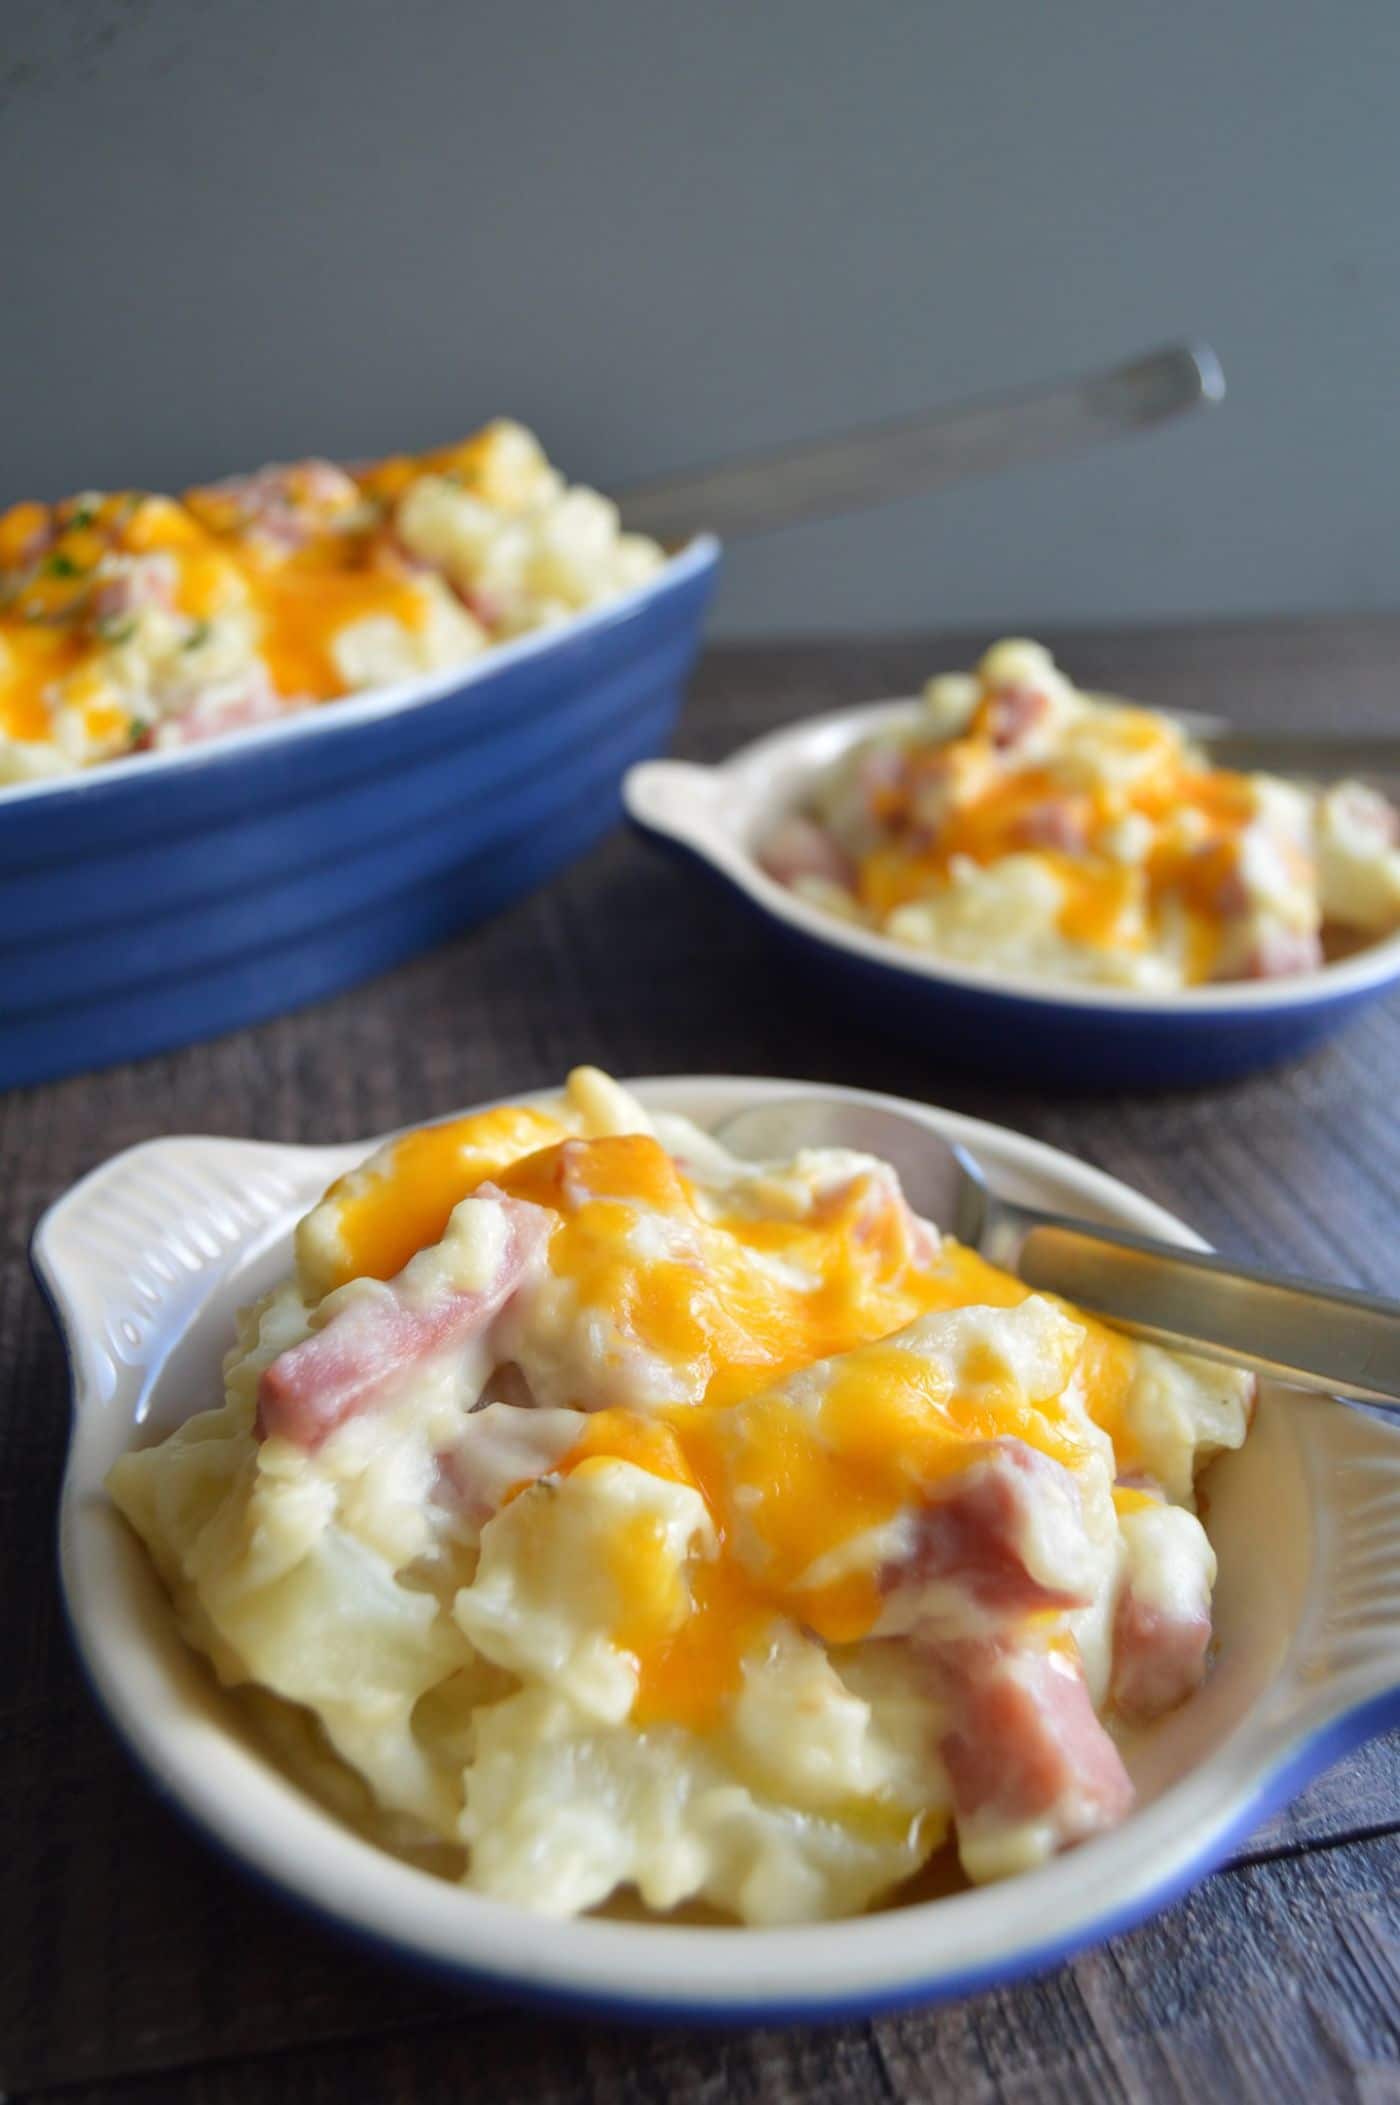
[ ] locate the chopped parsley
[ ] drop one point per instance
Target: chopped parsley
(197, 636)
(118, 628)
(61, 565)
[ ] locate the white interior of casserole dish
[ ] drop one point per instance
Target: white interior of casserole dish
(375, 703)
(723, 814)
(146, 1261)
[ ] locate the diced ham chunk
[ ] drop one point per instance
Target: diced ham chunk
(1161, 1629)
(1032, 1769)
(798, 847)
(146, 583)
(1059, 824)
(283, 505)
(487, 607)
(1277, 953)
(221, 709)
(881, 1209)
(880, 780)
(1159, 1656)
(1366, 815)
(1008, 1534)
(1009, 715)
(502, 1447)
(385, 1328)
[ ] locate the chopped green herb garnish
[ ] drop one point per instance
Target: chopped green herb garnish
(198, 635)
(61, 565)
(83, 517)
(118, 628)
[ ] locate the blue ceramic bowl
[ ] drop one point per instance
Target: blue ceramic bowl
(972, 1017)
(153, 902)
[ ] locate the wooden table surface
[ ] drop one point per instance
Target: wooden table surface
(135, 1966)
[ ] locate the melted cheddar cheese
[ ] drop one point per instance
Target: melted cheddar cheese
(371, 1222)
(737, 1302)
(629, 1516)
(1027, 826)
(1198, 822)
(280, 590)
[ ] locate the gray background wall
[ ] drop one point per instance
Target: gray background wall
(661, 232)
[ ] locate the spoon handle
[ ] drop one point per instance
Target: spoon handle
(881, 462)
(1314, 1337)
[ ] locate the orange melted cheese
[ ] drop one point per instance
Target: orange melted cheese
(995, 807)
(302, 605)
(387, 1212)
(32, 661)
(798, 1485)
(298, 600)
(785, 1487)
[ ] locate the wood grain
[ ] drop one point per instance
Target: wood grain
(1265, 1985)
(134, 1964)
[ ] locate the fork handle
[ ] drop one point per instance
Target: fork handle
(1313, 1337)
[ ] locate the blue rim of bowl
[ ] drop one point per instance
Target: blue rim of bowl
(1370, 969)
(699, 555)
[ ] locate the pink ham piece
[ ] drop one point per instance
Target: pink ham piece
(879, 1197)
(1370, 819)
(1059, 824)
(799, 847)
(502, 1446)
(219, 710)
(1161, 1628)
(1010, 714)
(1279, 953)
(1024, 1745)
(149, 582)
(283, 505)
(880, 780)
(485, 607)
(1159, 1655)
(985, 1532)
(343, 1367)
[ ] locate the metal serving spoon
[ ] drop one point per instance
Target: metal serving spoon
(878, 463)
(1311, 1336)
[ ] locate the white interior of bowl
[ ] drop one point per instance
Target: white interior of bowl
(723, 813)
(148, 1258)
(326, 718)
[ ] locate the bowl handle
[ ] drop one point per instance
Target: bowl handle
(128, 1255)
(676, 798)
(1348, 1650)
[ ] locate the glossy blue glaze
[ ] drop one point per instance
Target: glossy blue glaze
(150, 904)
(1008, 1036)
(1012, 1038)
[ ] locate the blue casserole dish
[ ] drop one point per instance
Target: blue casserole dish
(161, 900)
